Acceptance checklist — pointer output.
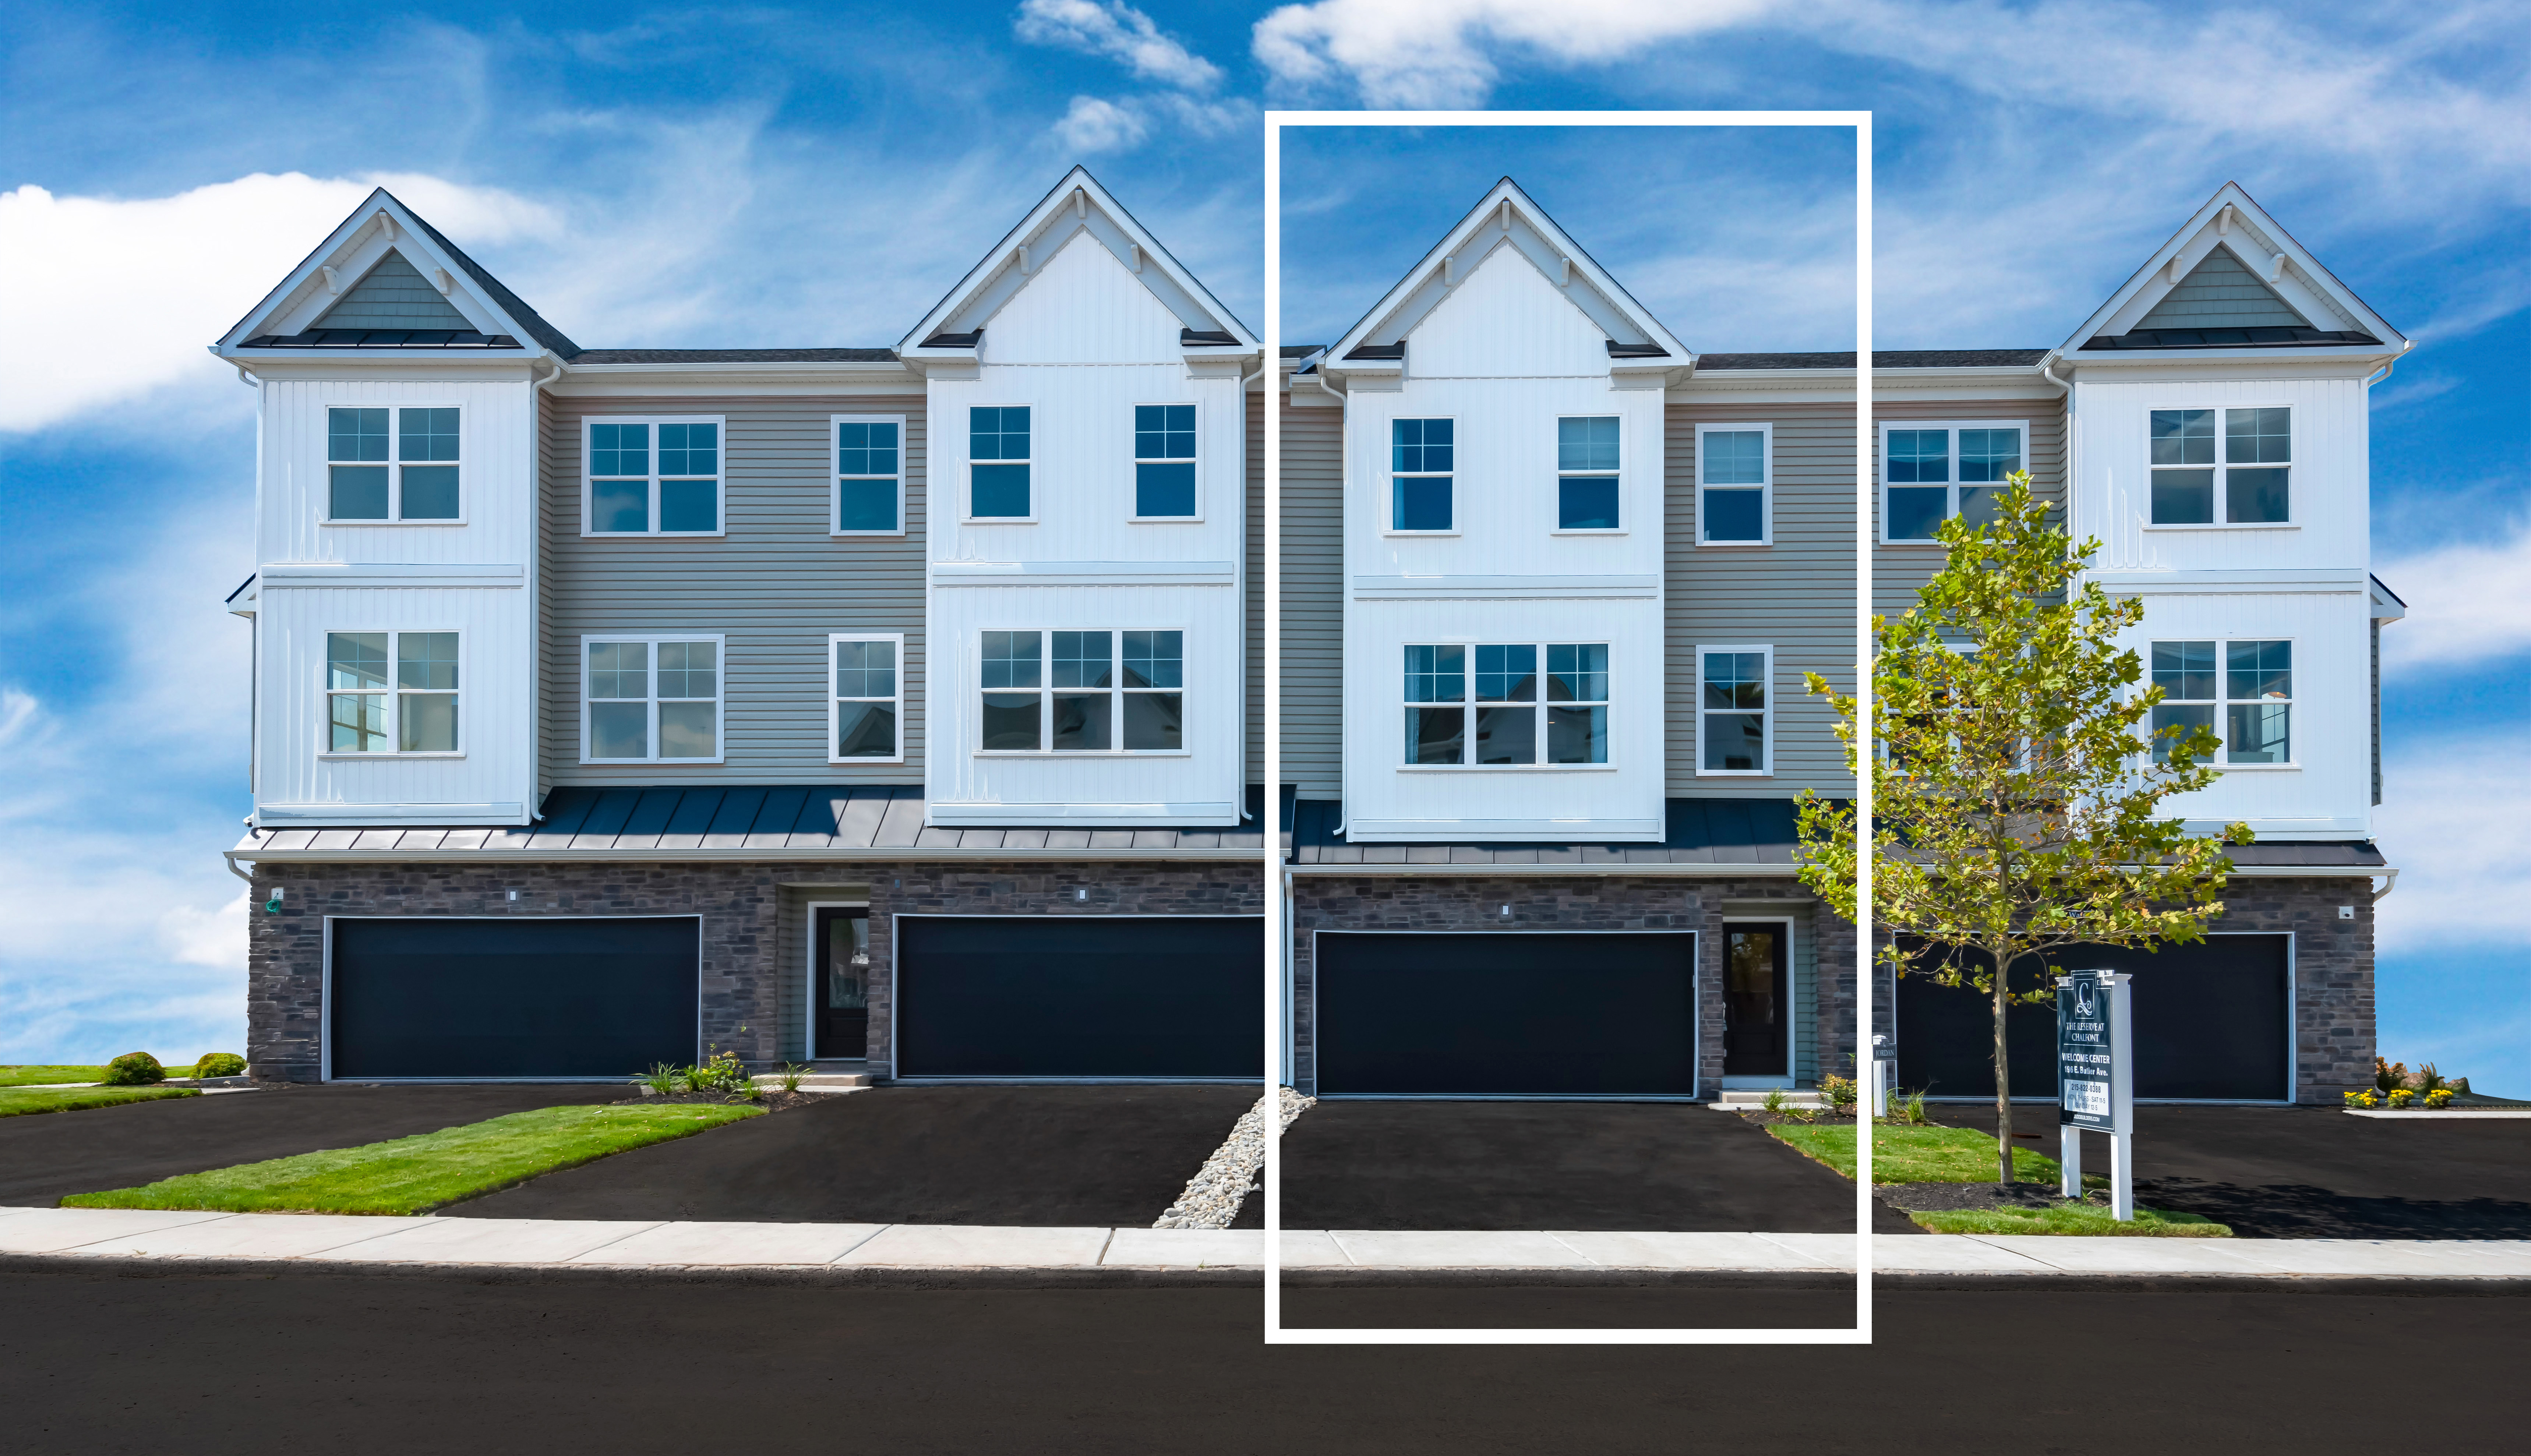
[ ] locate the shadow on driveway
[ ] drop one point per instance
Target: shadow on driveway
(1669, 1166)
(2311, 1173)
(1069, 1155)
(47, 1156)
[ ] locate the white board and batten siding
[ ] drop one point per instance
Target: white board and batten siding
(1080, 344)
(1506, 355)
(495, 483)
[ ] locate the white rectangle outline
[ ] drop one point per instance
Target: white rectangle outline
(1276, 918)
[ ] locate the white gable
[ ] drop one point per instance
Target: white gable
(1081, 306)
(381, 249)
(2230, 266)
(1506, 320)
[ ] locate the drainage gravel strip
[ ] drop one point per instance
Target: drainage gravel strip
(1214, 1195)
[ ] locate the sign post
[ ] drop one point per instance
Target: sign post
(2096, 1081)
(1884, 1089)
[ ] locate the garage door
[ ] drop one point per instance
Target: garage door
(518, 997)
(2212, 1020)
(1055, 997)
(1505, 1014)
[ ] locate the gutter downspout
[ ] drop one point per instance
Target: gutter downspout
(2389, 883)
(1345, 420)
(2373, 379)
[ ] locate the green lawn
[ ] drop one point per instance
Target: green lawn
(38, 1075)
(417, 1174)
(1917, 1154)
(2070, 1218)
(17, 1099)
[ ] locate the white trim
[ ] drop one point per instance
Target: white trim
(1767, 745)
(2223, 701)
(1139, 461)
(1085, 573)
(394, 692)
(651, 686)
(834, 703)
(395, 464)
(1765, 486)
(1619, 473)
(2221, 467)
(281, 575)
(720, 481)
(1541, 704)
(1951, 471)
(835, 476)
(966, 456)
(1792, 1076)
(1389, 502)
(1115, 693)
(1506, 589)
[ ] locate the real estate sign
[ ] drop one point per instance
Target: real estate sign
(2091, 1060)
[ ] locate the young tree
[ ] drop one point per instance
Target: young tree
(2017, 802)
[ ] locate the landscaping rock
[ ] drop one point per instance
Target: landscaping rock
(1214, 1195)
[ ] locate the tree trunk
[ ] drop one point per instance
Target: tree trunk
(2003, 1074)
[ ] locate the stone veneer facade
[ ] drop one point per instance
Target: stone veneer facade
(1579, 902)
(745, 979)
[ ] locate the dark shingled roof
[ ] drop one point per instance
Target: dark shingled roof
(511, 304)
(382, 338)
(2346, 854)
(947, 340)
(858, 819)
(1700, 832)
(1380, 351)
(2279, 337)
(734, 356)
(1882, 359)
(1206, 336)
(1301, 350)
(1636, 351)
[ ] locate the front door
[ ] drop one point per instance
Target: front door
(843, 984)
(1757, 1002)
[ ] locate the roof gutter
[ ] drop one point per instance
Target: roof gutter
(1245, 855)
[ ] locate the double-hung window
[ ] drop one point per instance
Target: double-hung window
(870, 475)
(655, 477)
(1486, 704)
(1083, 692)
(1421, 460)
(868, 707)
(1586, 472)
(420, 483)
(1164, 463)
(2247, 486)
(1930, 472)
(651, 699)
(998, 462)
(1734, 725)
(391, 692)
(1734, 482)
(2255, 677)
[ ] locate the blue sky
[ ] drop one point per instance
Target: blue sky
(819, 175)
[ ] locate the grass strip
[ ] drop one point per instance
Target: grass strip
(41, 1075)
(426, 1171)
(1916, 1154)
(2069, 1218)
(17, 1099)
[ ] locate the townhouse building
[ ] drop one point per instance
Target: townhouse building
(888, 708)
(1552, 581)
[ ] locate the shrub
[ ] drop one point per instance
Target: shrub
(1839, 1092)
(219, 1064)
(2423, 1079)
(134, 1069)
(2440, 1098)
(2388, 1075)
(2402, 1097)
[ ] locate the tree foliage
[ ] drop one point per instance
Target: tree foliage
(2017, 798)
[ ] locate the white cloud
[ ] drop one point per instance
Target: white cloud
(2461, 839)
(1094, 126)
(128, 291)
(2467, 602)
(1436, 53)
(1120, 33)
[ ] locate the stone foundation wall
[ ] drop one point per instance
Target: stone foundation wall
(743, 974)
(1465, 902)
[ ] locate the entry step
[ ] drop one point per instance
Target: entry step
(821, 1082)
(1745, 1098)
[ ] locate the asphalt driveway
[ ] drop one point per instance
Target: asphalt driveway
(1048, 1155)
(45, 1155)
(1672, 1166)
(2311, 1173)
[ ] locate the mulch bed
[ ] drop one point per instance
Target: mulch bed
(771, 1101)
(1930, 1197)
(1819, 1120)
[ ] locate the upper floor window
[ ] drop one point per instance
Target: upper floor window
(391, 692)
(997, 469)
(1420, 464)
(1930, 472)
(1092, 691)
(1586, 472)
(1165, 462)
(2255, 698)
(867, 712)
(1484, 704)
(2248, 484)
(651, 698)
(1734, 730)
(655, 477)
(870, 475)
(420, 483)
(1734, 481)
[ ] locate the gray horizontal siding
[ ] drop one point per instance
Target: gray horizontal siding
(776, 585)
(1314, 599)
(1796, 595)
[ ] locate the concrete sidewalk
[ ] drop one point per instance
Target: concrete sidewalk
(128, 1233)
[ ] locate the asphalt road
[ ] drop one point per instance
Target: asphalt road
(1569, 1165)
(2311, 1173)
(95, 1362)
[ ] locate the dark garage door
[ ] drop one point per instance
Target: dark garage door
(1080, 996)
(518, 997)
(2212, 1021)
(1505, 1013)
